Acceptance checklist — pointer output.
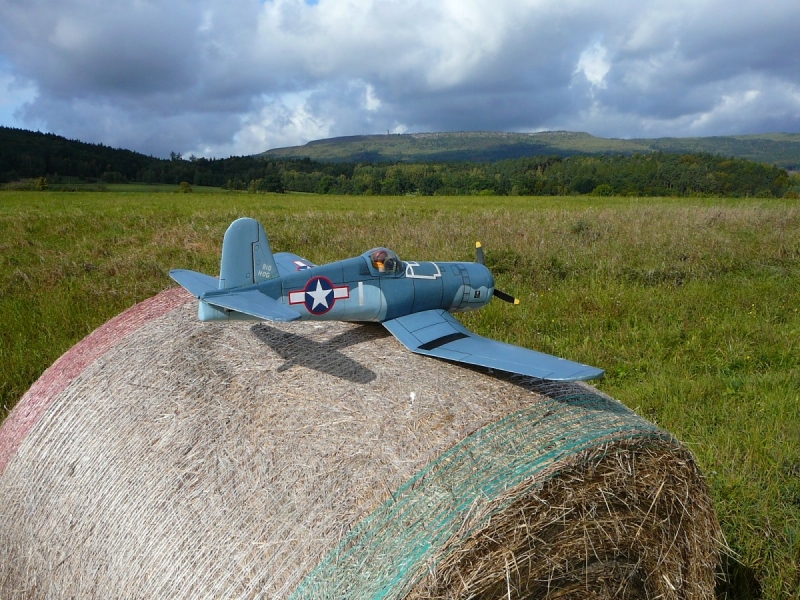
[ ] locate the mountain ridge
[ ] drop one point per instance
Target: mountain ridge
(779, 149)
(587, 165)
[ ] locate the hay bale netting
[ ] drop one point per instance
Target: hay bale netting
(164, 458)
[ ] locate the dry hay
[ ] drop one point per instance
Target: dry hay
(165, 458)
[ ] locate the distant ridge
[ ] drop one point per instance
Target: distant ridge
(780, 149)
(551, 163)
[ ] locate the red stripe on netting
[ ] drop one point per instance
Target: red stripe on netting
(55, 379)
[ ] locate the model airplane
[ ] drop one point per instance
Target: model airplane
(413, 300)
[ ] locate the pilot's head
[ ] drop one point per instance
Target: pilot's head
(378, 260)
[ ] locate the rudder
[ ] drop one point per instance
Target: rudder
(246, 255)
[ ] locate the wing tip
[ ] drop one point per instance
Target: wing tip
(458, 345)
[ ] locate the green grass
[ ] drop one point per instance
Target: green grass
(690, 305)
(154, 188)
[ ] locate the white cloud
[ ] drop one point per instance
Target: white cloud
(728, 106)
(276, 124)
(593, 64)
(371, 100)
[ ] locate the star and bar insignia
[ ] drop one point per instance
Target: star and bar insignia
(319, 295)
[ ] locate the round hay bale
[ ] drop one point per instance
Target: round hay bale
(166, 458)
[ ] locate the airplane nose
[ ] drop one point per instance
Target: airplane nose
(481, 283)
(480, 277)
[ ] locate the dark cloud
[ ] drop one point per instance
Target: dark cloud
(99, 50)
(215, 78)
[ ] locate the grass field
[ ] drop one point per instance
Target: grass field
(691, 305)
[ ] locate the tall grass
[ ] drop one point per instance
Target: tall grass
(691, 306)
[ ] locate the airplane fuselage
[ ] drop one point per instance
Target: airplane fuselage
(355, 290)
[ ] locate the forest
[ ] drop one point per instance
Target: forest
(48, 161)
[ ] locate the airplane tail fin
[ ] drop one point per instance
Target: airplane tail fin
(246, 255)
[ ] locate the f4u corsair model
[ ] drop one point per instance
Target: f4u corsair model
(413, 300)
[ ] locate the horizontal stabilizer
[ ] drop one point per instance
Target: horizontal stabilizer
(250, 302)
(437, 333)
(197, 283)
(254, 303)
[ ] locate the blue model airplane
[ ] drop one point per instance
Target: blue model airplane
(413, 300)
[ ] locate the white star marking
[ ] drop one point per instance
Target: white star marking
(320, 296)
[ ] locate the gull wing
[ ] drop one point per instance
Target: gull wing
(437, 333)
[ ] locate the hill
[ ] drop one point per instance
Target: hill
(26, 153)
(554, 163)
(780, 149)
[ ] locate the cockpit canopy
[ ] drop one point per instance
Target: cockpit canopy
(385, 260)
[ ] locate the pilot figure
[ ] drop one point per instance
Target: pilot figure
(378, 260)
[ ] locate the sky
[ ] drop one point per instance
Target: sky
(219, 78)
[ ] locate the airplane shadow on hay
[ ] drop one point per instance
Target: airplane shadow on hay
(326, 356)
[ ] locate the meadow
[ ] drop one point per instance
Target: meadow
(691, 305)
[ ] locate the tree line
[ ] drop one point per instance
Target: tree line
(654, 174)
(29, 155)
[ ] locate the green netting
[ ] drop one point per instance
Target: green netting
(390, 551)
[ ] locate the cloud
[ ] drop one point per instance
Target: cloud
(593, 64)
(13, 94)
(239, 77)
